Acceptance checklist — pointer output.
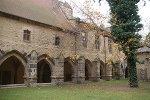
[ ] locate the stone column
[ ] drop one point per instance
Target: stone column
(31, 70)
(81, 71)
(118, 70)
(95, 73)
(108, 76)
(74, 73)
(58, 71)
(26, 72)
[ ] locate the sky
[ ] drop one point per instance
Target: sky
(145, 16)
(104, 9)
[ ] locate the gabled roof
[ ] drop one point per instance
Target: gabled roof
(43, 11)
(144, 49)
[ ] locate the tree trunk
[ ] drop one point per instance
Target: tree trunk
(131, 62)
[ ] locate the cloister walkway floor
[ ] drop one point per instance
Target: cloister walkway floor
(41, 84)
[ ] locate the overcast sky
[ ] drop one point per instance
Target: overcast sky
(104, 9)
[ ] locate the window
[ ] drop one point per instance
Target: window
(26, 35)
(110, 45)
(97, 42)
(57, 40)
(84, 42)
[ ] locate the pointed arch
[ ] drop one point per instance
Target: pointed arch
(102, 67)
(12, 67)
(68, 59)
(69, 69)
(88, 69)
(44, 68)
(15, 53)
(47, 58)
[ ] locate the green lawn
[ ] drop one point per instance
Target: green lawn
(105, 90)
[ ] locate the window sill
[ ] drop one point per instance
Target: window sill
(27, 41)
(56, 46)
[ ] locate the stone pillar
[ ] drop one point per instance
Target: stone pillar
(31, 71)
(58, 71)
(108, 76)
(26, 73)
(80, 71)
(95, 71)
(74, 74)
(118, 70)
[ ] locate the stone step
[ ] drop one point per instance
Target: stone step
(67, 83)
(12, 85)
(44, 84)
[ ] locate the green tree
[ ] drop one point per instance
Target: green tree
(124, 27)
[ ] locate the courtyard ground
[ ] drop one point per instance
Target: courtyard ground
(105, 90)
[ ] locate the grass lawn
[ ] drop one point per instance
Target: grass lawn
(105, 90)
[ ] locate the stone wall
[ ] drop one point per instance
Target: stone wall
(143, 70)
(42, 38)
(42, 45)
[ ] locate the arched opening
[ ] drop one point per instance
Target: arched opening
(101, 69)
(11, 71)
(67, 71)
(126, 72)
(101, 72)
(43, 72)
(113, 71)
(86, 72)
(88, 69)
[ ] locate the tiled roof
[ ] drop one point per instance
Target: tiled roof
(144, 49)
(43, 11)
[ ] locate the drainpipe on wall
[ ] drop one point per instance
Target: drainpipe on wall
(105, 56)
(76, 63)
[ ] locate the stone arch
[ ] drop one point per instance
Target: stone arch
(98, 61)
(15, 53)
(12, 68)
(69, 69)
(44, 68)
(88, 69)
(47, 58)
(102, 69)
(71, 62)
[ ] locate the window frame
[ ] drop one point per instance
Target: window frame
(97, 42)
(57, 41)
(27, 35)
(110, 45)
(84, 39)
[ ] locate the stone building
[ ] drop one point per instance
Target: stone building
(143, 69)
(41, 42)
